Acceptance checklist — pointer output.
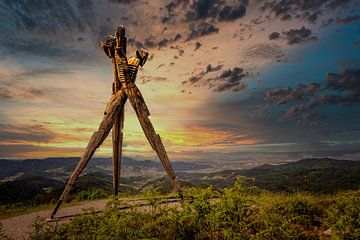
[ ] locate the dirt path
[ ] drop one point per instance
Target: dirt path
(19, 227)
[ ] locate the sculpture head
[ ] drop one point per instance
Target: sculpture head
(120, 40)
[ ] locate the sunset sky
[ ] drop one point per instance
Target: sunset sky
(226, 80)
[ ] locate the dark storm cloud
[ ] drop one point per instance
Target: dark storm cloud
(338, 89)
(228, 80)
(197, 45)
(347, 81)
(56, 30)
(203, 15)
(230, 13)
(122, 1)
(238, 118)
(201, 29)
(213, 9)
(177, 36)
(135, 43)
(171, 7)
(356, 44)
(29, 29)
(274, 35)
(348, 19)
(294, 36)
(196, 78)
(283, 95)
(165, 42)
(202, 9)
(308, 10)
(149, 42)
(19, 133)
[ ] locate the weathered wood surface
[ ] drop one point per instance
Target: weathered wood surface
(111, 113)
(117, 142)
(142, 112)
(117, 133)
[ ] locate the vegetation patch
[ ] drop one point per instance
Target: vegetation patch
(238, 212)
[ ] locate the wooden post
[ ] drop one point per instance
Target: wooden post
(123, 87)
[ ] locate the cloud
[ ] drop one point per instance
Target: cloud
(305, 10)
(283, 95)
(37, 36)
(201, 29)
(294, 36)
(163, 43)
(28, 133)
(311, 117)
(123, 1)
(201, 16)
(197, 45)
(348, 19)
(32, 150)
(135, 43)
(177, 36)
(230, 80)
(151, 43)
(203, 9)
(261, 110)
(146, 79)
(274, 35)
(347, 81)
(230, 13)
(196, 78)
(338, 89)
(13, 89)
(263, 51)
(5, 94)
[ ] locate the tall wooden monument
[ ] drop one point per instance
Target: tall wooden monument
(124, 88)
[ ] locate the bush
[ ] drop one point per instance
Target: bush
(240, 212)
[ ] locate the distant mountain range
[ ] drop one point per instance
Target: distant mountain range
(44, 179)
(321, 175)
(61, 168)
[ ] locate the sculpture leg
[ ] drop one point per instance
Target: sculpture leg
(117, 140)
(154, 139)
(111, 113)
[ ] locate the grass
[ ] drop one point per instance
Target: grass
(239, 212)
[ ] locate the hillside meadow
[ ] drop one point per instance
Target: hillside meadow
(238, 212)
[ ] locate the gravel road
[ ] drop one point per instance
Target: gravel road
(19, 227)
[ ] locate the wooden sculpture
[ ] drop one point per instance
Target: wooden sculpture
(123, 88)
